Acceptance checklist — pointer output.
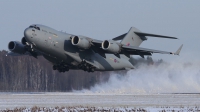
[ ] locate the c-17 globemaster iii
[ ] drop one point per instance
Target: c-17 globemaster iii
(67, 51)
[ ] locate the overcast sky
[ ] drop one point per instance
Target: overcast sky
(105, 19)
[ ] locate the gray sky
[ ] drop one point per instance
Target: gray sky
(107, 19)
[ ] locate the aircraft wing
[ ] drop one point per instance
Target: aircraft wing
(15, 54)
(78, 59)
(97, 47)
(144, 51)
(140, 49)
(96, 42)
(34, 54)
(129, 50)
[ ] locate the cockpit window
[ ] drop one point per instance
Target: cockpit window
(31, 26)
(38, 28)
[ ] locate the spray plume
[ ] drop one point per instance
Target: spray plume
(171, 77)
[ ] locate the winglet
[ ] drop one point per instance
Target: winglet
(179, 50)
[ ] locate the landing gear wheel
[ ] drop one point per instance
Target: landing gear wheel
(66, 69)
(63, 70)
(92, 69)
(54, 67)
(60, 70)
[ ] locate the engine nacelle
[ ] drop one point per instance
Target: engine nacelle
(16, 47)
(81, 42)
(111, 46)
(23, 41)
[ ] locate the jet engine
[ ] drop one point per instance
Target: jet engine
(16, 47)
(81, 42)
(111, 46)
(23, 41)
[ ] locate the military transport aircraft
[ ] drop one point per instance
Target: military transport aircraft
(67, 51)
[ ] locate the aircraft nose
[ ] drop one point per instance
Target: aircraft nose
(27, 33)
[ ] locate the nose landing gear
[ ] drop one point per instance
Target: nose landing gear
(30, 49)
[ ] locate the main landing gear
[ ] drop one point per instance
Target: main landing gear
(61, 68)
(86, 67)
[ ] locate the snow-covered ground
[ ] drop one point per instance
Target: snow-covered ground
(137, 90)
(149, 102)
(104, 109)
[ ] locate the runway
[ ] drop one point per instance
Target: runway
(53, 99)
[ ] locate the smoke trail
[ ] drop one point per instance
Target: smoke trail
(172, 77)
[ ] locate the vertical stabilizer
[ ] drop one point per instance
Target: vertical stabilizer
(132, 39)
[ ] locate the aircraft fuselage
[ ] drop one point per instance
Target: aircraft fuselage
(56, 47)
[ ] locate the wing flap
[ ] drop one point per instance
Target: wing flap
(140, 49)
(148, 51)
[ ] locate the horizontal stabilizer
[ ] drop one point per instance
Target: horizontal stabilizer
(153, 35)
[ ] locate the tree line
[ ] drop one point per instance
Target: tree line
(27, 74)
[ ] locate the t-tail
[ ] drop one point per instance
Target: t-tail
(135, 37)
(132, 39)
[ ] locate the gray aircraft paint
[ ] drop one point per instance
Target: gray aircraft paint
(131, 39)
(57, 48)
